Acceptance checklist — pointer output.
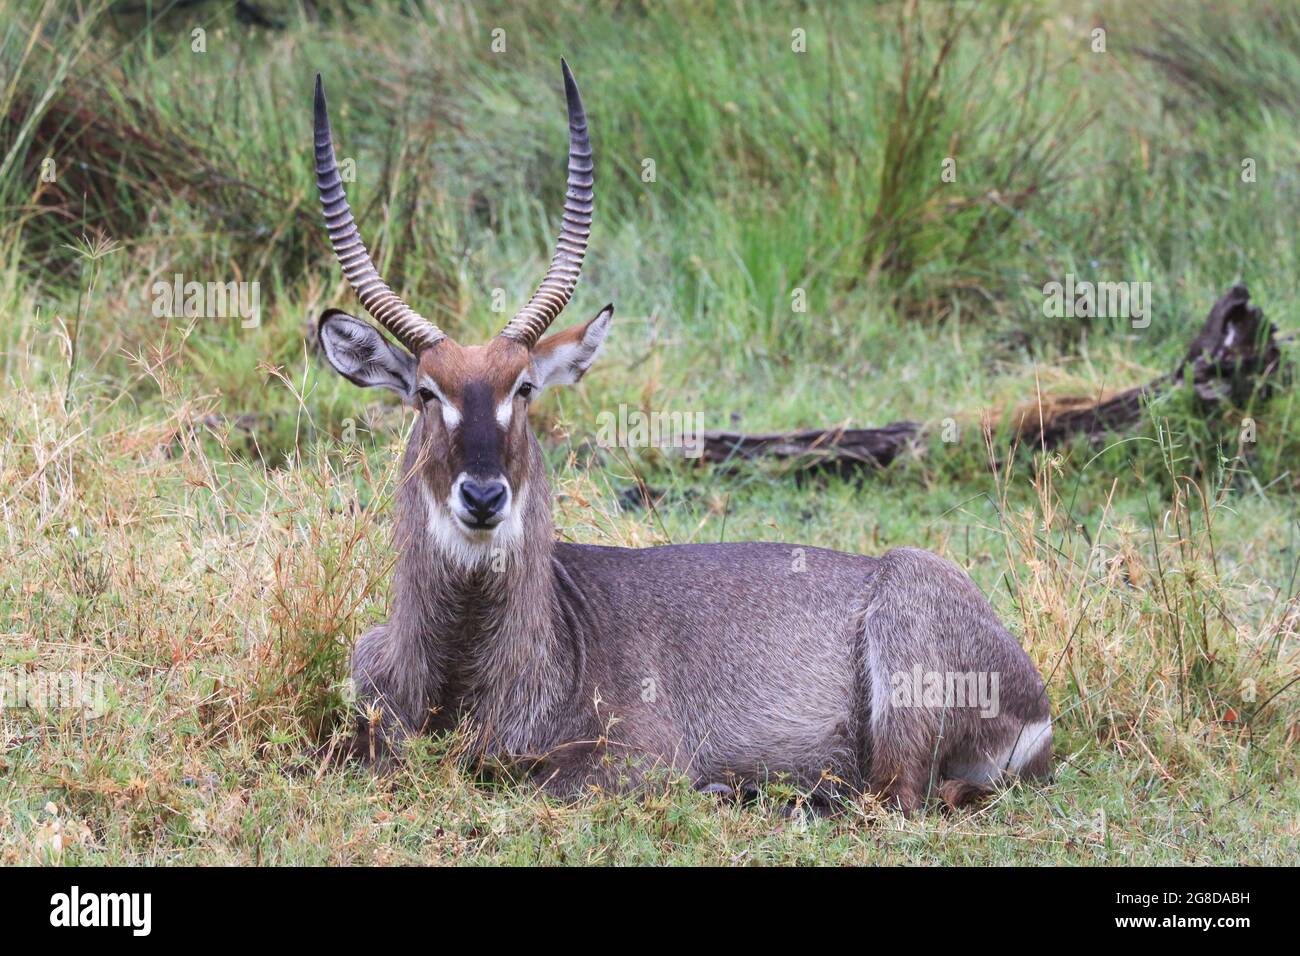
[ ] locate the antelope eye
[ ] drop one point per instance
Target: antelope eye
(426, 395)
(525, 390)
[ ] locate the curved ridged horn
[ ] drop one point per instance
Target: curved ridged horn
(409, 327)
(557, 288)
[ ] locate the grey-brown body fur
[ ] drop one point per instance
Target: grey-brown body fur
(591, 664)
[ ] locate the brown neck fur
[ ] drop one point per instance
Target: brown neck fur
(488, 633)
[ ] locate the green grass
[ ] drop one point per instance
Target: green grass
(198, 513)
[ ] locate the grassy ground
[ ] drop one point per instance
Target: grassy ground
(196, 513)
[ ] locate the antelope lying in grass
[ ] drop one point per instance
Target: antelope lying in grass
(591, 665)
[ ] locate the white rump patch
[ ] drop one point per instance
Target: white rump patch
(1027, 745)
(1023, 746)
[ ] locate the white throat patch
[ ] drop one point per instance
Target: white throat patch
(468, 549)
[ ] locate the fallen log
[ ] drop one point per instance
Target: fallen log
(871, 447)
(1235, 353)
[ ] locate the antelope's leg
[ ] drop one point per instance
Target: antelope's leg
(393, 694)
(573, 769)
(902, 634)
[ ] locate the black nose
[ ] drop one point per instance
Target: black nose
(484, 501)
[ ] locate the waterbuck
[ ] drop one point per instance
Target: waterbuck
(589, 666)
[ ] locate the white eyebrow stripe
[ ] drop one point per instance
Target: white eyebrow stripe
(505, 411)
(450, 413)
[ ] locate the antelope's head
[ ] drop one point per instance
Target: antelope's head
(477, 449)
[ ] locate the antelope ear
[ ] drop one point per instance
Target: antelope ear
(563, 358)
(364, 357)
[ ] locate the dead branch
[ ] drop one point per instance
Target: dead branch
(1235, 353)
